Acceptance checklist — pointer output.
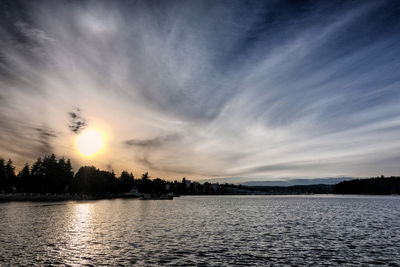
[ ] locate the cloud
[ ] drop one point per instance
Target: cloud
(229, 88)
(22, 141)
(77, 122)
(32, 33)
(44, 139)
(154, 142)
(148, 146)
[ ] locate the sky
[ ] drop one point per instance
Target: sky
(257, 89)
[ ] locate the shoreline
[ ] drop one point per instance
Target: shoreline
(36, 197)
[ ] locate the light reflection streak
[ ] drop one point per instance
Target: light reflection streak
(80, 234)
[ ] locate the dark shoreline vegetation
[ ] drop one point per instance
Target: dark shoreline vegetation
(372, 186)
(53, 180)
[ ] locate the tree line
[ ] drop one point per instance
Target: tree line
(50, 175)
(56, 176)
(372, 186)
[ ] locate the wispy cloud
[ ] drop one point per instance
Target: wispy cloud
(156, 142)
(225, 88)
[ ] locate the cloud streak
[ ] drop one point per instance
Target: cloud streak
(225, 88)
(154, 142)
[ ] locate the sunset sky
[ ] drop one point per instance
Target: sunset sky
(204, 89)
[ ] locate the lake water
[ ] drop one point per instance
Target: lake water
(204, 231)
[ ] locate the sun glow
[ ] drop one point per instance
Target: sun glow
(89, 142)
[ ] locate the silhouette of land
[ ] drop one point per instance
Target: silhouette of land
(53, 179)
(373, 186)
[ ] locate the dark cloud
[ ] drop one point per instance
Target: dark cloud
(145, 149)
(25, 142)
(77, 122)
(154, 142)
(161, 166)
(45, 132)
(145, 162)
(45, 136)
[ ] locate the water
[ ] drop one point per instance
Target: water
(204, 231)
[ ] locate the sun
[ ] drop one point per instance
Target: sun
(89, 142)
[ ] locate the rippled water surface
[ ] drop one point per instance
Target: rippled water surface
(204, 230)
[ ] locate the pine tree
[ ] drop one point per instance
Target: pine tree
(24, 179)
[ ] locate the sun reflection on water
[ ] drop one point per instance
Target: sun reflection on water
(80, 233)
(82, 212)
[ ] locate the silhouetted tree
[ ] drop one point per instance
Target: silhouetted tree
(49, 175)
(145, 185)
(37, 175)
(65, 175)
(24, 179)
(7, 177)
(93, 181)
(158, 186)
(371, 186)
(50, 172)
(126, 182)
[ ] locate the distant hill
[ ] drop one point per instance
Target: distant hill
(230, 180)
(292, 182)
(286, 182)
(295, 189)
